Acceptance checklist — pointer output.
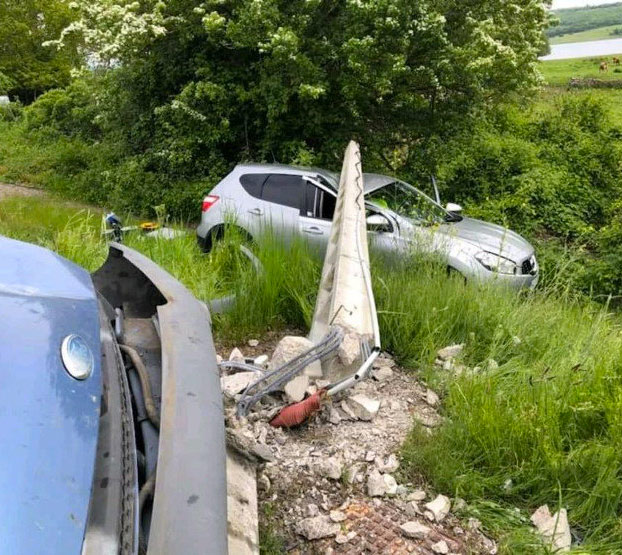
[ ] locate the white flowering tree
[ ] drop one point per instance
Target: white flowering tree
(199, 83)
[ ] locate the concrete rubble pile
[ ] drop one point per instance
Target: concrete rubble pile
(334, 482)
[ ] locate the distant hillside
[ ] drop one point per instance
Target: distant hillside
(574, 20)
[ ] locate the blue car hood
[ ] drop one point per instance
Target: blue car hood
(48, 420)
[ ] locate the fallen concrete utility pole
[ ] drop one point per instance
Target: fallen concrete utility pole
(345, 297)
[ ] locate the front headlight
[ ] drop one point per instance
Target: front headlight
(496, 263)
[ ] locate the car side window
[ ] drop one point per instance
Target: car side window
(311, 200)
(284, 189)
(318, 203)
(327, 206)
(253, 182)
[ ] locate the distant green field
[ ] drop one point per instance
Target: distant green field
(600, 33)
(559, 72)
(575, 20)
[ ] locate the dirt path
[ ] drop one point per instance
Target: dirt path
(11, 190)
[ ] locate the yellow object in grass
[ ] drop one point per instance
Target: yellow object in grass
(149, 226)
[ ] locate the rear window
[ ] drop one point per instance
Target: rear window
(286, 190)
(252, 183)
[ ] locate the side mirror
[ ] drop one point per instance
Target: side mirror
(453, 207)
(377, 222)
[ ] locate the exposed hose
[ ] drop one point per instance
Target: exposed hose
(150, 407)
(147, 491)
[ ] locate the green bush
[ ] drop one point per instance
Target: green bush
(11, 112)
(72, 111)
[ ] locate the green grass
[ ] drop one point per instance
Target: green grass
(548, 418)
(559, 72)
(599, 33)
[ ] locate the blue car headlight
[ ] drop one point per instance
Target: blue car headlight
(496, 263)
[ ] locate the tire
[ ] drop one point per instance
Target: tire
(218, 232)
(452, 272)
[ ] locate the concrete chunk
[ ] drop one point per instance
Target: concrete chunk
(451, 351)
(289, 348)
(317, 527)
(236, 355)
(350, 349)
(439, 507)
(364, 407)
(375, 484)
(554, 529)
(236, 383)
(295, 389)
(415, 530)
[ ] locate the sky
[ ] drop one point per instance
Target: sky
(558, 4)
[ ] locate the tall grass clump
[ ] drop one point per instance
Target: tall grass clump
(545, 425)
(282, 294)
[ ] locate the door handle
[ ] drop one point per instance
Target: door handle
(256, 211)
(313, 230)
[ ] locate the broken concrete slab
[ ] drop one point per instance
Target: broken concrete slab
(554, 529)
(296, 388)
(328, 468)
(451, 351)
(376, 486)
(317, 527)
(439, 507)
(242, 517)
(236, 383)
(289, 348)
(440, 547)
(364, 407)
(415, 530)
(236, 355)
(350, 349)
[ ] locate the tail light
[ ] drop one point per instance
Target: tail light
(208, 202)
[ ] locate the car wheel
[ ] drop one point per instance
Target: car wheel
(220, 232)
(453, 273)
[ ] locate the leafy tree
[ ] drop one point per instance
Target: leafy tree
(27, 66)
(294, 79)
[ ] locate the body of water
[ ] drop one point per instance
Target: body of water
(584, 49)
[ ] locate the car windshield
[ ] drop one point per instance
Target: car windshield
(409, 203)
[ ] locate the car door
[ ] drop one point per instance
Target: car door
(382, 232)
(316, 215)
(274, 205)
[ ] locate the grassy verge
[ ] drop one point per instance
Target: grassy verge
(542, 427)
(547, 419)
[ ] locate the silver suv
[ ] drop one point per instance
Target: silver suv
(400, 219)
